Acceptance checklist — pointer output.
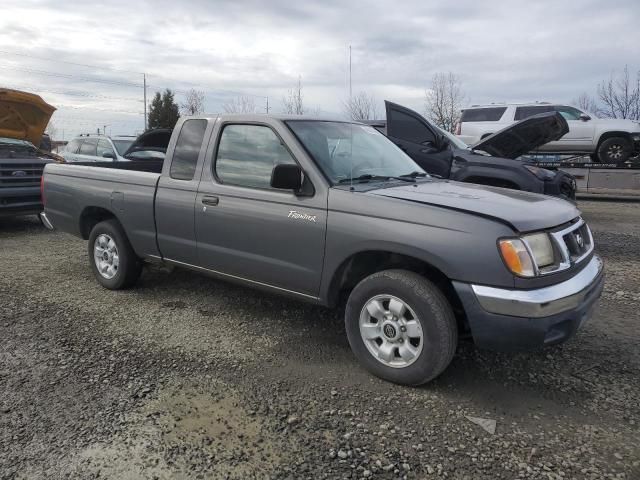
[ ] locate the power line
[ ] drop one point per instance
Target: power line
(71, 93)
(71, 76)
(68, 63)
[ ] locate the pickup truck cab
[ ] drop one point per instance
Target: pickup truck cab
(265, 201)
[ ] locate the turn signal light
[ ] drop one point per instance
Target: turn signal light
(516, 257)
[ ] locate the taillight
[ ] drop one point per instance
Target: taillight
(458, 128)
(42, 189)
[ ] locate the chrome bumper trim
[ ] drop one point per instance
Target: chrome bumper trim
(541, 302)
(45, 221)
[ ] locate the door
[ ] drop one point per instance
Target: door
(418, 139)
(104, 151)
(249, 230)
(176, 194)
(70, 153)
(581, 132)
(87, 151)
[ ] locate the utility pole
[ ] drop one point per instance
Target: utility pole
(144, 86)
(350, 90)
(267, 105)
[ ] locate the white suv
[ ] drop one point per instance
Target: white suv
(607, 140)
(97, 148)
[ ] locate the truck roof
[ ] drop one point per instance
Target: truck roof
(261, 116)
(507, 104)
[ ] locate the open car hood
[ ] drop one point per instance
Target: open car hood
(23, 116)
(156, 140)
(524, 136)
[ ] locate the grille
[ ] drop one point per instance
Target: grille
(578, 242)
(20, 174)
(574, 242)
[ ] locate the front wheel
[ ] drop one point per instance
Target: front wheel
(401, 327)
(113, 261)
(615, 150)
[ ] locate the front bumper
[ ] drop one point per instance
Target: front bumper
(504, 319)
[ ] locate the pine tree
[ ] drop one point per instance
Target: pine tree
(164, 111)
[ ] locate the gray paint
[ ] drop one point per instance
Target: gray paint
(250, 237)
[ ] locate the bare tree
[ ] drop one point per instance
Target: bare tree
(620, 96)
(52, 129)
(444, 100)
(361, 107)
(194, 102)
(240, 104)
(293, 103)
(586, 102)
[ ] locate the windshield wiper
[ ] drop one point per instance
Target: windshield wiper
(414, 175)
(368, 176)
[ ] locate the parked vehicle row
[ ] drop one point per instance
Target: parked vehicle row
(491, 161)
(611, 141)
(340, 213)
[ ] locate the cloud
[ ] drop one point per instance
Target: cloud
(503, 50)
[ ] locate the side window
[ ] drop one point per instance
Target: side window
(104, 147)
(492, 114)
(526, 112)
(409, 128)
(247, 154)
(185, 155)
(569, 113)
(72, 146)
(88, 147)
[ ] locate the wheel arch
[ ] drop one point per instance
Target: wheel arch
(611, 134)
(361, 264)
(91, 216)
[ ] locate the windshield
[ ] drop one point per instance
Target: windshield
(122, 145)
(347, 150)
(14, 143)
(455, 141)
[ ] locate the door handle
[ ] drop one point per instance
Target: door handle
(210, 200)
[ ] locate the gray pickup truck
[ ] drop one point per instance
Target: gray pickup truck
(265, 201)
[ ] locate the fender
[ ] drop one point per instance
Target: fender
(509, 171)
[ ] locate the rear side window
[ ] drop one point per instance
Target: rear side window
(185, 155)
(406, 127)
(247, 154)
(88, 147)
(492, 114)
(72, 146)
(104, 147)
(526, 112)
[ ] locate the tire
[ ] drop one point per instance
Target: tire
(614, 150)
(425, 304)
(120, 267)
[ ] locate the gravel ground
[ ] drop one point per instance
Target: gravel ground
(186, 377)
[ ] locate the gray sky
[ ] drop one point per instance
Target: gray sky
(502, 50)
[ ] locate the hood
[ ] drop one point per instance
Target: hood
(522, 211)
(524, 136)
(156, 140)
(621, 124)
(23, 116)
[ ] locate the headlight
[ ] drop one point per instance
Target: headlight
(527, 255)
(541, 173)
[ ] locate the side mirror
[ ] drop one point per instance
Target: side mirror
(109, 155)
(584, 117)
(287, 177)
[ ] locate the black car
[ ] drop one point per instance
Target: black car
(492, 161)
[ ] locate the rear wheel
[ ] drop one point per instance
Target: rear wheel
(113, 261)
(401, 327)
(614, 150)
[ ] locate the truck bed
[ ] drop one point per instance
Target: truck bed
(75, 190)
